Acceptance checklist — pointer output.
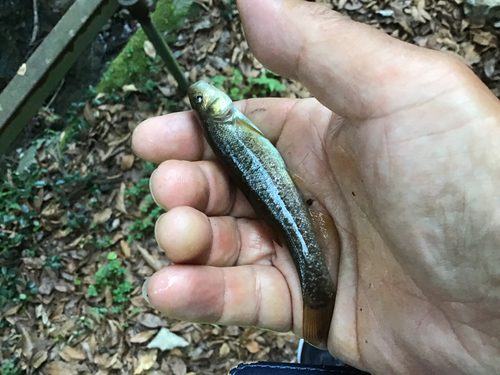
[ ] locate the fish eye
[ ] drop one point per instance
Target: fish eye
(198, 99)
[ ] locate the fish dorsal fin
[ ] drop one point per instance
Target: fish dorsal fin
(241, 120)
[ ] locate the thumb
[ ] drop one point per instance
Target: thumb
(349, 67)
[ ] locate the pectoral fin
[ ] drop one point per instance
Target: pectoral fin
(243, 121)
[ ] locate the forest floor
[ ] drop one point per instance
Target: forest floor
(77, 219)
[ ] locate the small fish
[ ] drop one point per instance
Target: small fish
(259, 171)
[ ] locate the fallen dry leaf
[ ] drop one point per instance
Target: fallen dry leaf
(127, 162)
(178, 366)
(146, 361)
(252, 347)
(59, 368)
(102, 216)
(125, 248)
(129, 88)
(105, 361)
(22, 70)
(149, 49)
(151, 320)
(484, 38)
(52, 210)
(13, 310)
(120, 199)
(28, 341)
(46, 286)
(224, 350)
(154, 263)
(39, 358)
(72, 354)
(143, 336)
(166, 340)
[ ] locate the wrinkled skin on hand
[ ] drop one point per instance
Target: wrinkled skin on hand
(400, 146)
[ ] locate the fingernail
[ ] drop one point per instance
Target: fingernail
(145, 290)
(151, 187)
(156, 232)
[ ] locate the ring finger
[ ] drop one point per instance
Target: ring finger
(189, 236)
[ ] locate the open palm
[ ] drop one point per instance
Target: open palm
(407, 168)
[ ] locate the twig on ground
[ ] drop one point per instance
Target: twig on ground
(152, 262)
(55, 94)
(35, 23)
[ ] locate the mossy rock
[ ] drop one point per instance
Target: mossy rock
(133, 61)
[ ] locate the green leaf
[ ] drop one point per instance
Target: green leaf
(15, 206)
(218, 80)
(272, 84)
(237, 77)
(92, 292)
(235, 93)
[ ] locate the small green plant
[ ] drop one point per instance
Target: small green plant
(121, 294)
(99, 311)
(265, 85)
(31, 252)
(11, 367)
(218, 80)
(77, 220)
(84, 323)
(141, 187)
(144, 227)
(139, 195)
(9, 285)
(154, 65)
(76, 131)
(53, 262)
(112, 275)
(98, 244)
(19, 187)
(22, 185)
(149, 86)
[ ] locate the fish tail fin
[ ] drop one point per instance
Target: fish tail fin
(316, 324)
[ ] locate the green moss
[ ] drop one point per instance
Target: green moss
(132, 61)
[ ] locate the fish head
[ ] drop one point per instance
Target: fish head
(208, 101)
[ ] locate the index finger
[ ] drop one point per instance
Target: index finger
(179, 136)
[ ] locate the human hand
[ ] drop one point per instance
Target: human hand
(399, 146)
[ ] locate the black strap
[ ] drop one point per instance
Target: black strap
(277, 368)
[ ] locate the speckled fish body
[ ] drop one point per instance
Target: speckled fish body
(259, 171)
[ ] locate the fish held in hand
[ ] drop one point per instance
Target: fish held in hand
(259, 171)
